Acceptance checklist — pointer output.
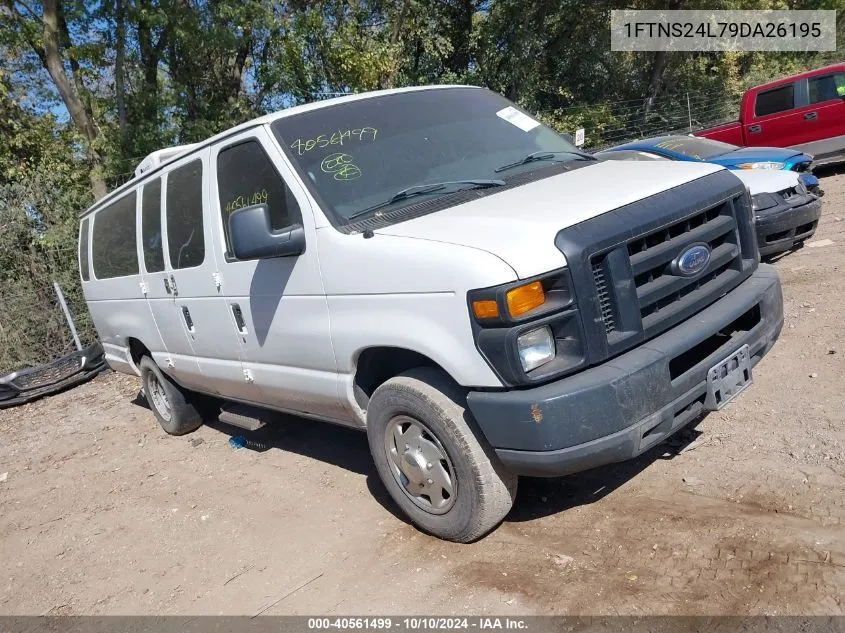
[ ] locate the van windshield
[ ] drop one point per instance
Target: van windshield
(384, 153)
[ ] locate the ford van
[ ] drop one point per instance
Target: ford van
(439, 269)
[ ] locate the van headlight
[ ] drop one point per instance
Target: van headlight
(529, 330)
(536, 348)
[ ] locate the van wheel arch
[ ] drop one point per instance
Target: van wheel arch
(174, 407)
(207, 406)
(137, 350)
(376, 365)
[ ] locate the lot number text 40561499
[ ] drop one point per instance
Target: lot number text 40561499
(417, 623)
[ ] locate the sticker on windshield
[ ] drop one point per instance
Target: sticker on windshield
(517, 118)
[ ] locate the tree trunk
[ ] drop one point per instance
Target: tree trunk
(119, 69)
(236, 70)
(461, 36)
(658, 66)
(81, 117)
(397, 26)
(150, 51)
(395, 31)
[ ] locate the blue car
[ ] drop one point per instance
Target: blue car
(692, 148)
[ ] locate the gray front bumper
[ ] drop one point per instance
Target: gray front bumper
(782, 227)
(625, 406)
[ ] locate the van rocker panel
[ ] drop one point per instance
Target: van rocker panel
(630, 403)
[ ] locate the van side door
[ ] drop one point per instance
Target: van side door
(277, 305)
(170, 347)
(191, 281)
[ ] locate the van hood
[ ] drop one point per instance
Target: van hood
(519, 225)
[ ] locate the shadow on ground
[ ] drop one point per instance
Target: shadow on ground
(539, 498)
(831, 169)
(348, 449)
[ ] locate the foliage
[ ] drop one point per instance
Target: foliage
(89, 87)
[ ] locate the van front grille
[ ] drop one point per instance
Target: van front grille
(645, 269)
(659, 288)
(629, 266)
(604, 295)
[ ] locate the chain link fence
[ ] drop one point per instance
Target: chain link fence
(33, 327)
(615, 122)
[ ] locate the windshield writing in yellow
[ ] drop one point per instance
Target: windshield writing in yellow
(340, 166)
(301, 146)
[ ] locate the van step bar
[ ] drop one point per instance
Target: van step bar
(242, 416)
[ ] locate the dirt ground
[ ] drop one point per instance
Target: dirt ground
(102, 513)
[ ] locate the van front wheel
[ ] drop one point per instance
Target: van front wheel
(174, 412)
(432, 459)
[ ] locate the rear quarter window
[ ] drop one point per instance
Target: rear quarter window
(83, 250)
(773, 101)
(114, 251)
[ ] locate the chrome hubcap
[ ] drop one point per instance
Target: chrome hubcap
(420, 465)
(159, 397)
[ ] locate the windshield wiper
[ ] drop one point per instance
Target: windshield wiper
(542, 155)
(418, 190)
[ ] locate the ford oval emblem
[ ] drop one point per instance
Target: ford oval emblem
(692, 260)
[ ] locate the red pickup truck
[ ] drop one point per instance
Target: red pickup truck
(805, 112)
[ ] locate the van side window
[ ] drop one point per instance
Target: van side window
(83, 251)
(151, 226)
(115, 243)
(246, 176)
(827, 88)
(185, 238)
(777, 100)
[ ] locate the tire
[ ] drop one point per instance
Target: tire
(466, 494)
(172, 406)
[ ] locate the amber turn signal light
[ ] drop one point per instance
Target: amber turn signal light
(485, 309)
(525, 298)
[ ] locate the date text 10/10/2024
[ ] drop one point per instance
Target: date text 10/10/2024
(417, 623)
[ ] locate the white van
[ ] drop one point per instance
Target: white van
(439, 268)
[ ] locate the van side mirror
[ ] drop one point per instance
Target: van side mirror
(252, 237)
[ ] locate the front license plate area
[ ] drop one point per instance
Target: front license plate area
(728, 379)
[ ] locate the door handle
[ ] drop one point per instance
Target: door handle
(239, 318)
(811, 116)
(755, 129)
(167, 286)
(173, 285)
(186, 314)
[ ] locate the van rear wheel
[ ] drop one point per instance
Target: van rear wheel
(176, 414)
(434, 462)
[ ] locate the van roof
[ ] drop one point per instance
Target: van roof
(154, 159)
(164, 157)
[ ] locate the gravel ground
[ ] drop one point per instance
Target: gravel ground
(102, 513)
